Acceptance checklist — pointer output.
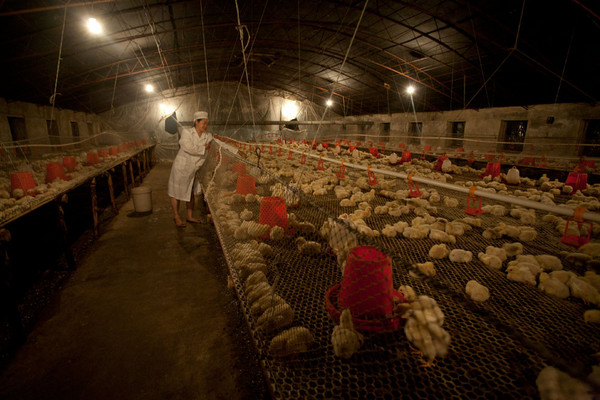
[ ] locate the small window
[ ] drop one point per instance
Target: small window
(75, 129)
(458, 131)
(592, 136)
(414, 132)
(515, 134)
(53, 131)
(17, 128)
(90, 127)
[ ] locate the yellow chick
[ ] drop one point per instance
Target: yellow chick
(345, 339)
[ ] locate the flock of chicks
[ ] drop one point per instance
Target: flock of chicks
(424, 318)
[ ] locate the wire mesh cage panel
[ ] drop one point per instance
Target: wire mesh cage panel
(355, 289)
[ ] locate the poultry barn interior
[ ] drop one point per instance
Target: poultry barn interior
(401, 200)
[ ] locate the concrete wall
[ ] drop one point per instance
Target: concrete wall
(486, 127)
(35, 117)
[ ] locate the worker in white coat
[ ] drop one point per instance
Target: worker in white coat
(194, 146)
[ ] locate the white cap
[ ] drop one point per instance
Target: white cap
(200, 115)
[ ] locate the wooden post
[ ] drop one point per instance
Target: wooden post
(140, 172)
(145, 160)
(125, 187)
(61, 224)
(8, 302)
(94, 205)
(131, 174)
(111, 191)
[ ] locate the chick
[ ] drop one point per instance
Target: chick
(490, 260)
(460, 256)
(477, 291)
(291, 341)
(549, 262)
(442, 236)
(254, 279)
(345, 339)
(582, 290)
(408, 292)
(450, 202)
(513, 249)
(264, 303)
(496, 251)
(553, 286)
(592, 278)
(521, 274)
(424, 328)
(276, 233)
(276, 317)
(439, 251)
(592, 316)
(426, 268)
(246, 215)
(554, 384)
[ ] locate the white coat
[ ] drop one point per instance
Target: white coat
(190, 157)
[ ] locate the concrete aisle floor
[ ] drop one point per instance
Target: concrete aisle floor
(147, 315)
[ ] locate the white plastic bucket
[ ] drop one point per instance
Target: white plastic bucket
(142, 199)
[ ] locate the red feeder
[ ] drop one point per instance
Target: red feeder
(372, 181)
(273, 212)
(460, 150)
(245, 184)
(401, 145)
(102, 153)
(406, 157)
(490, 155)
(367, 290)
(413, 187)
(576, 240)
(583, 164)
(320, 165)
(69, 163)
(303, 158)
(471, 209)
(55, 170)
(270, 149)
(471, 157)
(92, 158)
(351, 149)
(440, 161)
(577, 180)
(374, 152)
(262, 148)
(427, 147)
(542, 163)
(346, 142)
(528, 161)
(290, 155)
(493, 169)
(239, 167)
(22, 180)
(341, 171)
(279, 154)
(113, 151)
(325, 145)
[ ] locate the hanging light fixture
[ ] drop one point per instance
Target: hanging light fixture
(149, 88)
(329, 103)
(94, 26)
(410, 90)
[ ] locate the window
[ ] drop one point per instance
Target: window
(53, 131)
(592, 136)
(17, 128)
(458, 131)
(385, 132)
(414, 132)
(75, 129)
(90, 129)
(515, 134)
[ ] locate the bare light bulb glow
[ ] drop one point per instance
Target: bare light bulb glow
(149, 88)
(410, 89)
(94, 26)
(329, 103)
(166, 109)
(289, 110)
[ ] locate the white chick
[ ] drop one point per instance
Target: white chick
(307, 247)
(513, 249)
(563, 275)
(592, 278)
(254, 279)
(496, 210)
(276, 317)
(418, 232)
(521, 274)
(267, 301)
(426, 268)
(291, 341)
(592, 316)
(276, 233)
(527, 234)
(382, 210)
(591, 249)
(450, 202)
(257, 291)
(532, 266)
(442, 236)
(554, 384)
(455, 228)
(582, 290)
(389, 231)
(477, 291)
(490, 260)
(408, 293)
(549, 262)
(460, 256)
(553, 286)
(347, 203)
(439, 251)
(472, 221)
(345, 339)
(424, 328)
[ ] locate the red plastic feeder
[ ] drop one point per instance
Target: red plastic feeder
(320, 165)
(413, 187)
(102, 153)
(374, 152)
(406, 157)
(528, 161)
(490, 155)
(460, 149)
(273, 212)
(239, 167)
(69, 162)
(303, 158)
(401, 145)
(472, 209)
(351, 149)
(440, 161)
(290, 157)
(340, 173)
(270, 149)
(372, 180)
(577, 180)
(92, 158)
(576, 240)
(22, 180)
(325, 145)
(113, 151)
(54, 171)
(245, 184)
(279, 153)
(493, 169)
(367, 291)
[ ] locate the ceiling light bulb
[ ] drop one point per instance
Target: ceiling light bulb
(329, 103)
(410, 89)
(94, 26)
(149, 88)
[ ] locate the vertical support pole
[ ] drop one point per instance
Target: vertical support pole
(94, 205)
(61, 224)
(145, 160)
(8, 302)
(111, 192)
(131, 174)
(140, 172)
(125, 186)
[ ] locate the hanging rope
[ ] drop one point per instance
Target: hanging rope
(205, 58)
(62, 36)
(343, 63)
(241, 29)
(112, 100)
(562, 74)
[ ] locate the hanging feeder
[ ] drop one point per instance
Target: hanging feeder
(473, 209)
(320, 165)
(303, 158)
(290, 155)
(413, 187)
(576, 240)
(341, 171)
(279, 153)
(372, 181)
(270, 149)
